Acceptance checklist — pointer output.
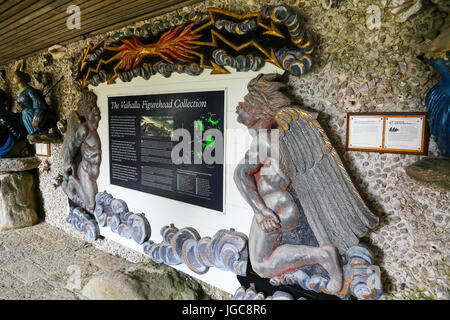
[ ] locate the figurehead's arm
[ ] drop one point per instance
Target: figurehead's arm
(76, 134)
(244, 178)
(246, 183)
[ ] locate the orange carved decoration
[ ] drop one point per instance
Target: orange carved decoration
(172, 45)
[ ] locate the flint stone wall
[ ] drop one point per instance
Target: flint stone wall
(364, 61)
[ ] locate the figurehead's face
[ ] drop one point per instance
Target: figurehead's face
(93, 120)
(243, 116)
(262, 103)
(245, 112)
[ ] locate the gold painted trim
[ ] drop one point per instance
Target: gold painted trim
(218, 69)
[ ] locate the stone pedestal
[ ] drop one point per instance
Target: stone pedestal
(431, 170)
(45, 138)
(18, 207)
(18, 164)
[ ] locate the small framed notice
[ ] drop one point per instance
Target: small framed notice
(388, 132)
(42, 149)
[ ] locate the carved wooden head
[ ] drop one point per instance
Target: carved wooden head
(87, 105)
(263, 101)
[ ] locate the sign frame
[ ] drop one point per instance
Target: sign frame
(425, 134)
(175, 92)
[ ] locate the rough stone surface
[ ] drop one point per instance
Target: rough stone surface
(356, 69)
(17, 201)
(431, 170)
(142, 283)
(18, 164)
(44, 263)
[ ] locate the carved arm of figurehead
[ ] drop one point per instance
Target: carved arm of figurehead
(77, 133)
(92, 156)
(246, 184)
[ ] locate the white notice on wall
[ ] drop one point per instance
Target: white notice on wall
(404, 133)
(365, 132)
(42, 149)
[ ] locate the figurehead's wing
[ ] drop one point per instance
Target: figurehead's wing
(334, 208)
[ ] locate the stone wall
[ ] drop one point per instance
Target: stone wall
(365, 60)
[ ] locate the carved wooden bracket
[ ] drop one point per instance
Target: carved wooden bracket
(213, 40)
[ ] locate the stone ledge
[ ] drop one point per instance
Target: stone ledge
(18, 164)
(46, 138)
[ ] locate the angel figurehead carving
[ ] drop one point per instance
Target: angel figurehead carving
(307, 213)
(82, 153)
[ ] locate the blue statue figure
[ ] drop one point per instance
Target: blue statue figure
(36, 114)
(11, 130)
(438, 104)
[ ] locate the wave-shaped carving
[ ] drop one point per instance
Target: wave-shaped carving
(361, 278)
(296, 63)
(240, 63)
(226, 250)
(251, 294)
(83, 222)
(114, 213)
(237, 28)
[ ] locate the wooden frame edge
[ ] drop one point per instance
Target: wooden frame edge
(425, 132)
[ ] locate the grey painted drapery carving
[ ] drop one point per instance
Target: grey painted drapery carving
(251, 294)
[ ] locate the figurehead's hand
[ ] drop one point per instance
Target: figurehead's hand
(268, 220)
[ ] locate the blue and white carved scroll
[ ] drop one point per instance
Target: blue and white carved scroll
(226, 250)
(361, 278)
(114, 214)
(252, 294)
(84, 222)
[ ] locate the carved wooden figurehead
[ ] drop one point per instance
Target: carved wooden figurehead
(308, 212)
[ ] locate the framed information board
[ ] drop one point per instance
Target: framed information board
(42, 149)
(144, 132)
(388, 132)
